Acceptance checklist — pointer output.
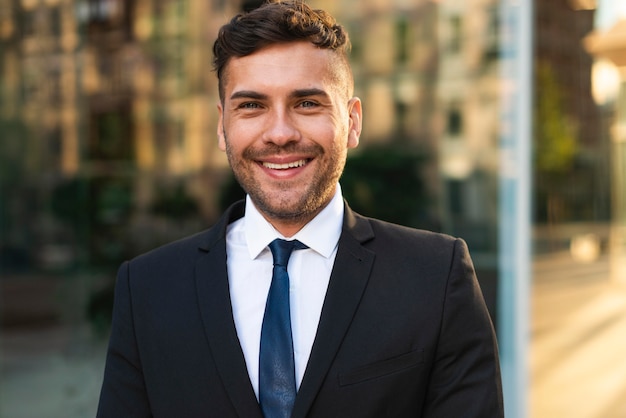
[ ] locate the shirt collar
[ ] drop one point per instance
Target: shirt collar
(321, 234)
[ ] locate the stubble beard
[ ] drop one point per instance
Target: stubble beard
(278, 203)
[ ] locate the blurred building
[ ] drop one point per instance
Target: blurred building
(117, 101)
(117, 104)
(108, 114)
(108, 148)
(468, 90)
(428, 75)
(113, 103)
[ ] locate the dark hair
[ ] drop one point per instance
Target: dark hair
(273, 23)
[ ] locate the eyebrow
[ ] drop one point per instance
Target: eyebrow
(250, 94)
(308, 93)
(247, 94)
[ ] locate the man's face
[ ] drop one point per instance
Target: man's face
(286, 124)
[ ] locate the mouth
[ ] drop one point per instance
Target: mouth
(285, 166)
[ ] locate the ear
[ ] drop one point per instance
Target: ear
(356, 122)
(220, 127)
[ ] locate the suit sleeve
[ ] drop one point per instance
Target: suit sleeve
(465, 380)
(123, 391)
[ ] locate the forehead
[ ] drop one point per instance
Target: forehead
(295, 64)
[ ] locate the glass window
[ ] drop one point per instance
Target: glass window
(94, 174)
(456, 35)
(455, 121)
(578, 298)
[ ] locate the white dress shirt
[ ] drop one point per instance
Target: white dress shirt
(250, 264)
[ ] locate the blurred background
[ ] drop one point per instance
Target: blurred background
(499, 121)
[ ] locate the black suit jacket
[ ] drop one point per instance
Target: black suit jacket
(404, 332)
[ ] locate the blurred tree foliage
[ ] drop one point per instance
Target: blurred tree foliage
(14, 242)
(174, 202)
(386, 182)
(555, 133)
(555, 146)
(97, 210)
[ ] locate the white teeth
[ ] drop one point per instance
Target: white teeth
(286, 166)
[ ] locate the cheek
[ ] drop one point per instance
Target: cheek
(237, 137)
(324, 131)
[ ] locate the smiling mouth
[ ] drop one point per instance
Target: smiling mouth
(285, 166)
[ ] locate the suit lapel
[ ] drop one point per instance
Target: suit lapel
(348, 281)
(216, 311)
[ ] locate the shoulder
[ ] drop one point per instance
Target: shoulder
(384, 228)
(188, 248)
(402, 245)
(387, 233)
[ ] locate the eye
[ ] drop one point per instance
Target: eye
(308, 104)
(249, 105)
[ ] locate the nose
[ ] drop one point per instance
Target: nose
(281, 128)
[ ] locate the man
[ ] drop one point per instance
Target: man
(382, 320)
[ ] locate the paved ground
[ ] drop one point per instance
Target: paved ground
(50, 373)
(578, 351)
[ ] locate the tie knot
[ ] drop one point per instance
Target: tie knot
(281, 250)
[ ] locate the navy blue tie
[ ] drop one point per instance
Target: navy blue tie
(277, 380)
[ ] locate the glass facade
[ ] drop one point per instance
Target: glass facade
(499, 121)
(578, 297)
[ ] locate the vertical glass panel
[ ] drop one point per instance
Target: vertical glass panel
(579, 292)
(515, 52)
(108, 149)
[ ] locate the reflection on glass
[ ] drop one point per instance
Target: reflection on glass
(107, 120)
(107, 149)
(579, 297)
